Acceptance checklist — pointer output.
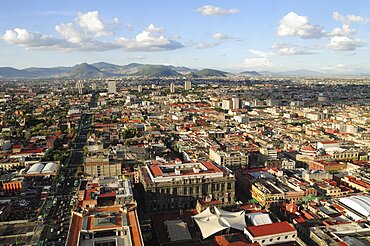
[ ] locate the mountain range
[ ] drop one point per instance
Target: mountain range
(103, 69)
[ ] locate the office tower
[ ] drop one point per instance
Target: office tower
(93, 86)
(80, 87)
(187, 85)
(236, 103)
(172, 88)
(226, 104)
(112, 89)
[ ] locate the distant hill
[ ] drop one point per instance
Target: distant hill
(156, 71)
(85, 70)
(251, 73)
(210, 72)
(104, 69)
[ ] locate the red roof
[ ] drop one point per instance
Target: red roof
(156, 170)
(210, 166)
(270, 229)
(108, 194)
(308, 148)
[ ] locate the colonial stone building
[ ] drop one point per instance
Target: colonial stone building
(180, 185)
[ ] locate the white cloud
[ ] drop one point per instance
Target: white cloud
(219, 36)
(29, 40)
(150, 39)
(349, 18)
(287, 49)
(207, 45)
(295, 25)
(70, 33)
(116, 21)
(345, 30)
(215, 11)
(343, 43)
(92, 22)
(260, 60)
(84, 35)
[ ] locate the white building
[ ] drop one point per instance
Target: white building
(80, 87)
(274, 233)
(112, 89)
(226, 104)
(172, 87)
(235, 103)
(187, 85)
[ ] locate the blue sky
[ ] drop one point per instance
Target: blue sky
(234, 35)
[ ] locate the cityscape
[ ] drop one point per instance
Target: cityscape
(119, 125)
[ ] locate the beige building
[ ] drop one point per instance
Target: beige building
(231, 159)
(169, 186)
(102, 167)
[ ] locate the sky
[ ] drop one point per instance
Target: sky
(330, 36)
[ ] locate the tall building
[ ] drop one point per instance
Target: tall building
(80, 87)
(187, 85)
(140, 88)
(112, 89)
(93, 86)
(172, 87)
(236, 102)
(226, 104)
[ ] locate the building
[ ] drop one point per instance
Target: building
(102, 167)
(93, 86)
(105, 226)
(231, 159)
(172, 87)
(235, 103)
(273, 233)
(140, 88)
(175, 186)
(112, 89)
(80, 87)
(226, 104)
(187, 85)
(43, 169)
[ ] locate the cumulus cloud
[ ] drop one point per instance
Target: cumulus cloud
(343, 43)
(92, 22)
(219, 36)
(207, 45)
(215, 11)
(288, 49)
(70, 33)
(345, 30)
(84, 35)
(342, 39)
(351, 18)
(293, 24)
(150, 39)
(29, 40)
(259, 60)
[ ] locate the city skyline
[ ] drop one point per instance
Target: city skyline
(329, 37)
